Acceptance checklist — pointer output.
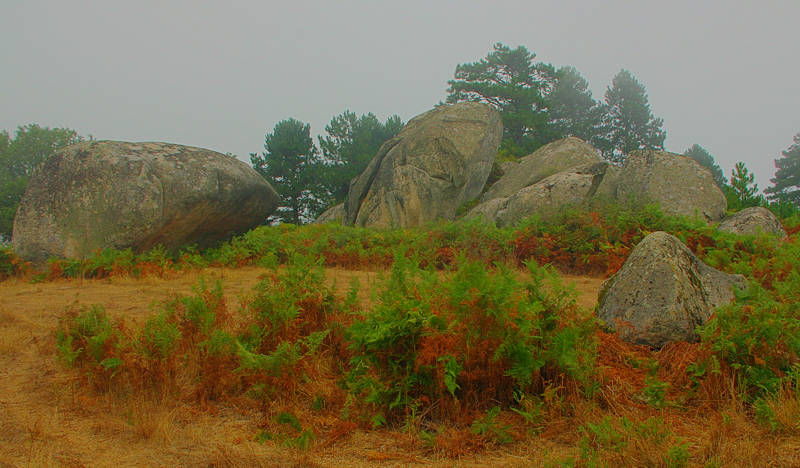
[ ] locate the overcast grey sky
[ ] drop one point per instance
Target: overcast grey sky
(220, 75)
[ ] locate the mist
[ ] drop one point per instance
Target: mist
(722, 75)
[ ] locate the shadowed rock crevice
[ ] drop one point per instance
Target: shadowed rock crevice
(359, 186)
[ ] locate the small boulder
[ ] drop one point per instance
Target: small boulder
(751, 221)
(548, 160)
(438, 162)
(566, 188)
(663, 292)
(115, 194)
(678, 183)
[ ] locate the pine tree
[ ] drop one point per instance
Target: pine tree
(786, 183)
(291, 163)
(743, 188)
(573, 111)
(351, 144)
(631, 125)
(509, 80)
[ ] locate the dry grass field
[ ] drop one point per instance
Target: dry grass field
(48, 418)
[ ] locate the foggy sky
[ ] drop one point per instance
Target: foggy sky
(720, 73)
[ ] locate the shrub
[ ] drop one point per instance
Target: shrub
(188, 330)
(10, 264)
(619, 441)
(288, 318)
(108, 262)
(780, 411)
(474, 337)
(758, 336)
(88, 339)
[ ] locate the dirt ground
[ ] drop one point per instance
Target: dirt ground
(47, 419)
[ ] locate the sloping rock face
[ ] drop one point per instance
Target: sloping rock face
(569, 187)
(663, 292)
(334, 214)
(548, 160)
(116, 194)
(607, 191)
(439, 161)
(678, 183)
(751, 221)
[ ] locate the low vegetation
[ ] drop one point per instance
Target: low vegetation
(467, 343)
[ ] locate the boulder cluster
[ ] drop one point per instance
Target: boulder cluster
(443, 159)
(102, 194)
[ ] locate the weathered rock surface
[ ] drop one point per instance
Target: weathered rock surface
(607, 191)
(334, 214)
(663, 292)
(548, 160)
(678, 183)
(438, 162)
(116, 194)
(752, 221)
(566, 188)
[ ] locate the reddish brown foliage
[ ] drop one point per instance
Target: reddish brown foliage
(621, 372)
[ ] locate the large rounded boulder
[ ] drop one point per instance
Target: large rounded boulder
(751, 221)
(438, 162)
(116, 194)
(678, 183)
(548, 160)
(663, 292)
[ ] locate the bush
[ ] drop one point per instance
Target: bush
(758, 337)
(88, 339)
(10, 264)
(188, 330)
(619, 441)
(474, 337)
(288, 318)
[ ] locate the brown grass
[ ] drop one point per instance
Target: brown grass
(47, 418)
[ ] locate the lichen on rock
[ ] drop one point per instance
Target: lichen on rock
(438, 162)
(663, 292)
(113, 194)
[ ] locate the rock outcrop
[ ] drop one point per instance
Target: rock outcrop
(751, 221)
(548, 160)
(678, 183)
(438, 162)
(116, 194)
(565, 188)
(663, 292)
(334, 214)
